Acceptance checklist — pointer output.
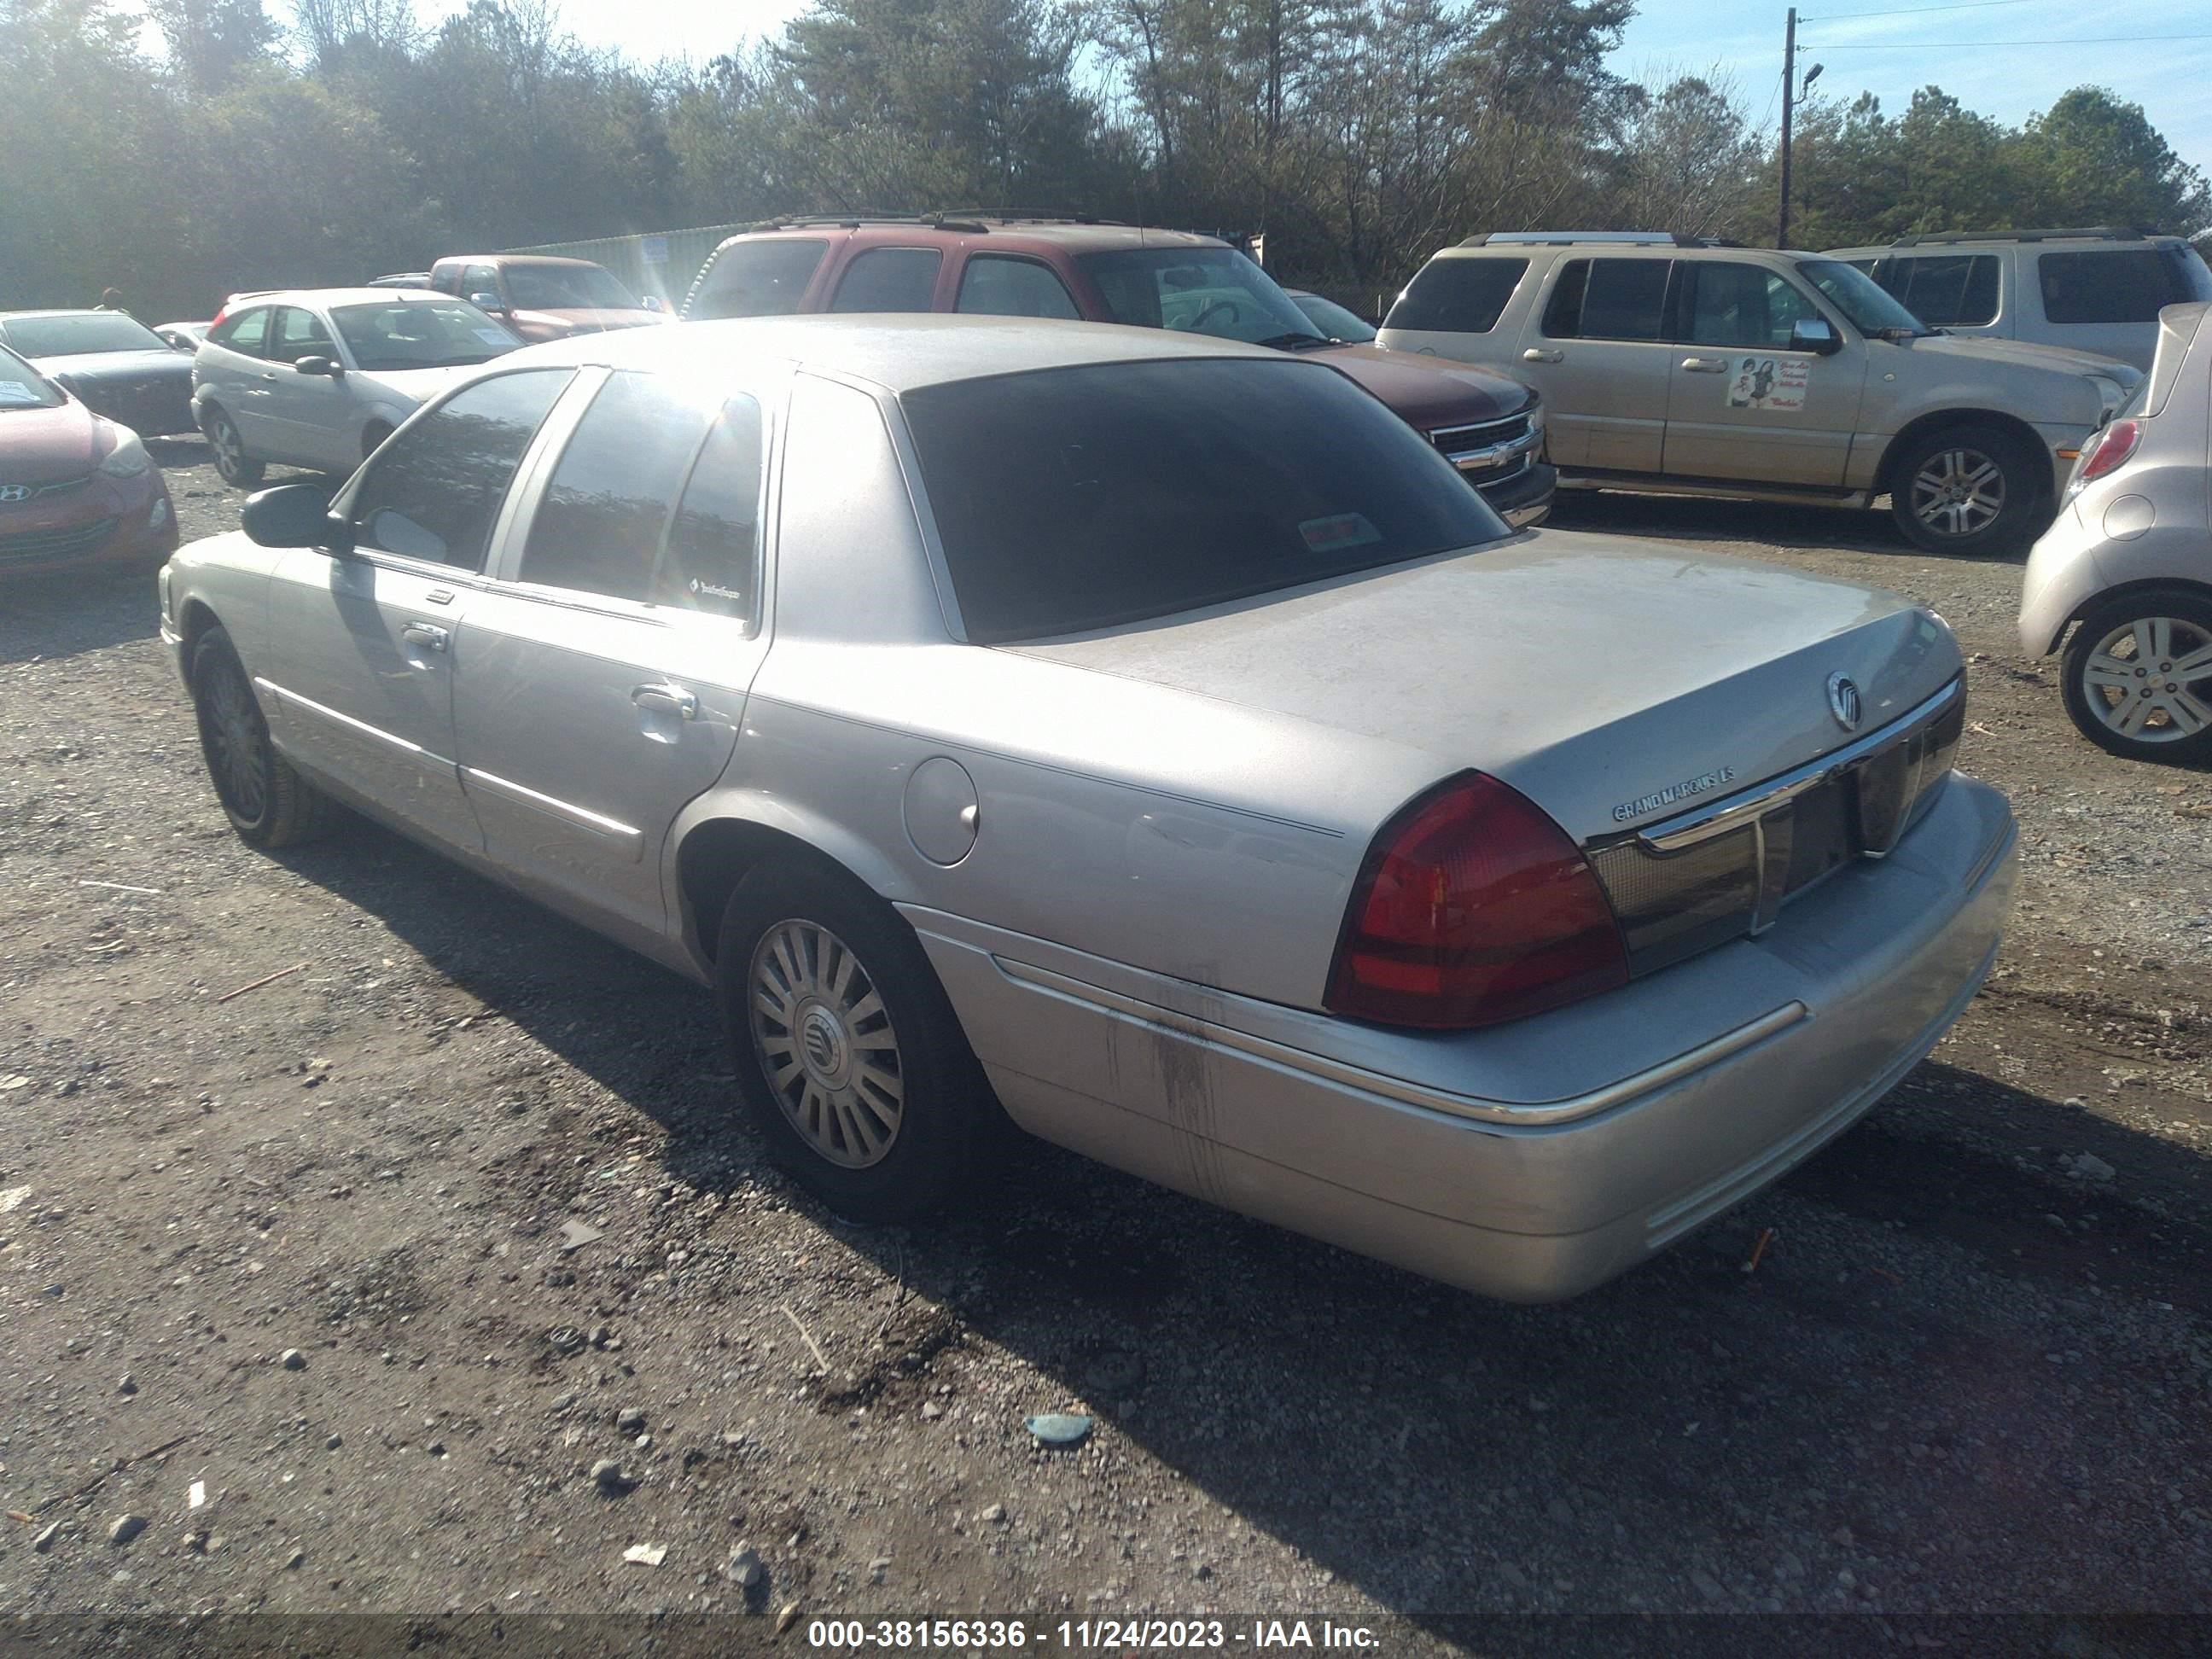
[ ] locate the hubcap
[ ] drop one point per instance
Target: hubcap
(229, 451)
(825, 1043)
(230, 727)
(1958, 491)
(2147, 679)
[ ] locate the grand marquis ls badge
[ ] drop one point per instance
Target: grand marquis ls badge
(1843, 701)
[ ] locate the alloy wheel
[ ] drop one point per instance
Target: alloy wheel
(2146, 679)
(825, 1043)
(1958, 492)
(230, 726)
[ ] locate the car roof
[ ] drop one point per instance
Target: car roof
(899, 352)
(337, 296)
(515, 259)
(61, 311)
(1014, 237)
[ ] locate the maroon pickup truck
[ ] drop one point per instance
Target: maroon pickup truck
(543, 298)
(1487, 425)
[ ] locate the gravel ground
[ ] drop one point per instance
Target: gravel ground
(284, 1275)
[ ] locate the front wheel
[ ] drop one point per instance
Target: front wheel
(2137, 676)
(1969, 489)
(269, 804)
(849, 1058)
(237, 469)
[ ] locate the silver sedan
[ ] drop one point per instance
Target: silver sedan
(1148, 741)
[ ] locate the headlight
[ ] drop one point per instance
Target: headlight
(128, 458)
(2110, 394)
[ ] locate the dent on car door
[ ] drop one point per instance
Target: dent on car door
(1598, 354)
(361, 661)
(1743, 404)
(603, 678)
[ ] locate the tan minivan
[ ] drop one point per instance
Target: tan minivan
(1690, 367)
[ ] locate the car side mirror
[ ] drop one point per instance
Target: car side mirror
(294, 515)
(1815, 334)
(329, 365)
(486, 302)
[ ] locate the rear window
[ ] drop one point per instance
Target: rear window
(1608, 299)
(1078, 498)
(23, 386)
(1945, 290)
(1457, 296)
(755, 279)
(2116, 285)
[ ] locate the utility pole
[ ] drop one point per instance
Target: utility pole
(1789, 91)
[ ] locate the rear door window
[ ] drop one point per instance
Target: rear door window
(995, 285)
(2119, 285)
(247, 332)
(1945, 290)
(1608, 299)
(767, 278)
(1457, 296)
(434, 491)
(890, 279)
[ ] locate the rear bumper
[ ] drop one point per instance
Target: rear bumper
(1746, 1061)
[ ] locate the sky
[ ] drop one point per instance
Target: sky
(1884, 46)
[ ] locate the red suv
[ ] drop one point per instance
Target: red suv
(1488, 426)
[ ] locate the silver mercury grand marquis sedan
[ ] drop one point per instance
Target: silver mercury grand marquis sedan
(1151, 738)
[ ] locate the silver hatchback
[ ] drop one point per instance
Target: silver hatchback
(1146, 739)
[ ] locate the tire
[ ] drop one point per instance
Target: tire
(231, 460)
(859, 1078)
(269, 804)
(1969, 489)
(2112, 684)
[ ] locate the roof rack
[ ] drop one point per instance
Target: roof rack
(2085, 234)
(1027, 216)
(854, 220)
(1620, 238)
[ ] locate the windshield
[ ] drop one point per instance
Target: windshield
(23, 386)
(1199, 290)
(421, 334)
(1871, 307)
(567, 288)
(1334, 320)
(73, 335)
(1070, 499)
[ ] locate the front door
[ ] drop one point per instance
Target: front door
(604, 673)
(362, 666)
(1742, 405)
(1598, 354)
(309, 415)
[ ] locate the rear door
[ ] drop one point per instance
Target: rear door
(1597, 351)
(603, 672)
(229, 371)
(1743, 405)
(310, 417)
(361, 657)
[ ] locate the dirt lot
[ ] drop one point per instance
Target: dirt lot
(1964, 1377)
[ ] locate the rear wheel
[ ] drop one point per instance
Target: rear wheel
(1969, 489)
(268, 803)
(849, 1058)
(2137, 676)
(231, 460)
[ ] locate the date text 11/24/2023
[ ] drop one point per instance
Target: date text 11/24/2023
(1083, 1635)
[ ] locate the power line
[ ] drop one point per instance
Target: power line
(1964, 45)
(1909, 11)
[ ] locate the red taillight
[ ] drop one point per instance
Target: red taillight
(1473, 907)
(2109, 449)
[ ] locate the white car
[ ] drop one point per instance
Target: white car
(318, 378)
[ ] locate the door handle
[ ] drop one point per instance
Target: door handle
(665, 699)
(1535, 354)
(428, 636)
(1705, 365)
